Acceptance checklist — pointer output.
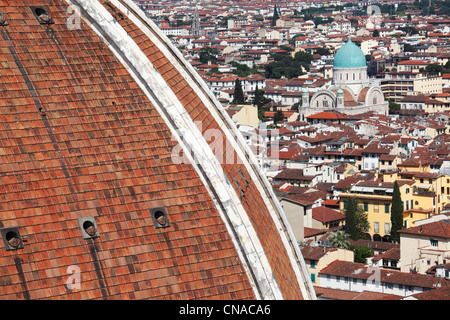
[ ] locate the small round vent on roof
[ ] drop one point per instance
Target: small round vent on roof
(89, 228)
(160, 217)
(3, 21)
(13, 239)
(42, 15)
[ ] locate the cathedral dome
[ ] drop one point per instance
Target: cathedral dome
(349, 56)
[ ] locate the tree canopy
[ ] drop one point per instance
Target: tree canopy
(208, 54)
(339, 239)
(356, 222)
(284, 65)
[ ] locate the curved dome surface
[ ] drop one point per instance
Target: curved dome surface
(349, 56)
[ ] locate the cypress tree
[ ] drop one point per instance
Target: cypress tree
(350, 218)
(275, 16)
(396, 214)
(238, 92)
(257, 100)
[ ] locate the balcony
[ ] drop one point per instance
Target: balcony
(424, 193)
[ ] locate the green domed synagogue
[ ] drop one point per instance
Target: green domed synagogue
(350, 91)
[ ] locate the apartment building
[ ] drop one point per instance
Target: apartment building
(425, 246)
(358, 277)
(397, 85)
(318, 257)
(375, 198)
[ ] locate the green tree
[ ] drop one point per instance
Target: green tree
(409, 30)
(339, 239)
(284, 65)
(278, 116)
(261, 114)
(323, 51)
(408, 48)
(241, 70)
(447, 67)
(356, 222)
(259, 101)
(362, 253)
(396, 214)
(434, 69)
(319, 20)
(238, 93)
(393, 106)
(275, 16)
(208, 54)
(258, 98)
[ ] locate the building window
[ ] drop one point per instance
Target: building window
(386, 208)
(376, 206)
(434, 243)
(376, 227)
(387, 228)
(366, 206)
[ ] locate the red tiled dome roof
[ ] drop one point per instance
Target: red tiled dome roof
(86, 134)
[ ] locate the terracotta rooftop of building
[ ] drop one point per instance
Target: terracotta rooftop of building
(439, 229)
(337, 294)
(324, 214)
(355, 270)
